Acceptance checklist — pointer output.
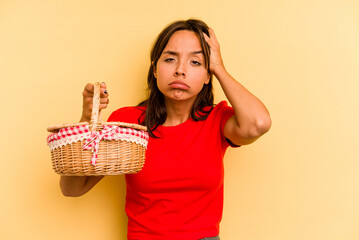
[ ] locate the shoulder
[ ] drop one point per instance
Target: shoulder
(221, 113)
(128, 114)
(222, 109)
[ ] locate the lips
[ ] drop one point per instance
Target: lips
(179, 85)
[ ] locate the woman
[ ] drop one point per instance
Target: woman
(179, 192)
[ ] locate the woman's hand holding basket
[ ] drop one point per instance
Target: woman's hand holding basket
(87, 95)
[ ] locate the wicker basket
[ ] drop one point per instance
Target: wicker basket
(98, 148)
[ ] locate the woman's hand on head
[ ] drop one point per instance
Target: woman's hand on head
(87, 97)
(216, 61)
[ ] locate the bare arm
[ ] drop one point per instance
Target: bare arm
(251, 119)
(74, 186)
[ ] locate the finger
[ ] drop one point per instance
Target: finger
(208, 40)
(213, 35)
(206, 37)
(89, 96)
(88, 91)
(102, 106)
(89, 88)
(88, 100)
(103, 90)
(104, 101)
(103, 93)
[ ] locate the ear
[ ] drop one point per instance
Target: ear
(154, 70)
(207, 79)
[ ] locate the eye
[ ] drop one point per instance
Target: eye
(169, 59)
(196, 63)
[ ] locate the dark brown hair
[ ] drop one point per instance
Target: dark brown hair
(156, 112)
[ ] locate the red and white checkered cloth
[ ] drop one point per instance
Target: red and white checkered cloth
(93, 139)
(68, 132)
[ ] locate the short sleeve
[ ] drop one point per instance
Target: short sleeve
(128, 115)
(226, 113)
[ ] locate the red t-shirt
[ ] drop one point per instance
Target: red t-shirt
(179, 192)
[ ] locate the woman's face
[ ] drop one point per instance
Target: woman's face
(180, 70)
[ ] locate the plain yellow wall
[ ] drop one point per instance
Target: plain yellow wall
(301, 58)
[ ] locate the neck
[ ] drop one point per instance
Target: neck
(177, 112)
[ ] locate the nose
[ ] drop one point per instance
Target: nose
(180, 70)
(179, 73)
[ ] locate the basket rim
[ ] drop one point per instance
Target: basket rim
(56, 128)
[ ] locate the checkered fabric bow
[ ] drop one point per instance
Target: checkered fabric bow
(93, 141)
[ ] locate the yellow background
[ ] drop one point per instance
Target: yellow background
(300, 57)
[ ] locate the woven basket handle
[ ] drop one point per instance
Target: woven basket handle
(95, 115)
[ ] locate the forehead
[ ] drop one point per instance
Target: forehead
(184, 40)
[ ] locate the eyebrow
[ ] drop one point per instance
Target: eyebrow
(176, 53)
